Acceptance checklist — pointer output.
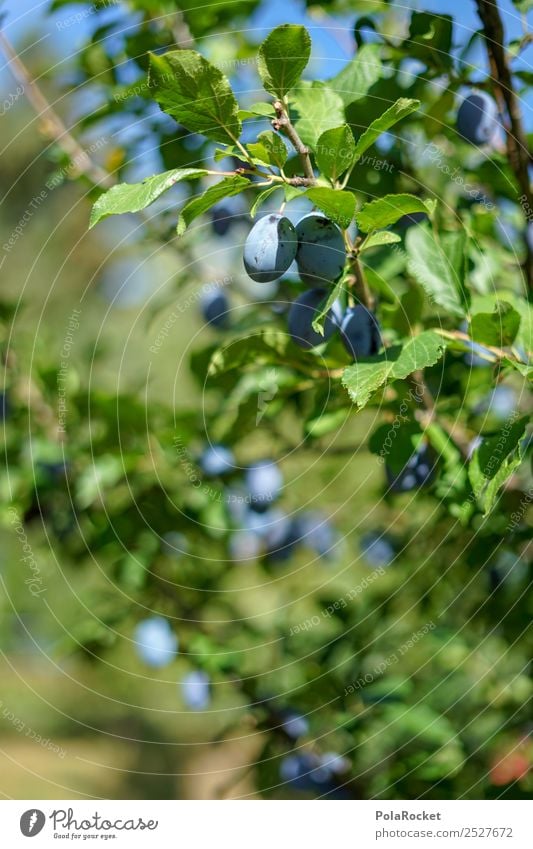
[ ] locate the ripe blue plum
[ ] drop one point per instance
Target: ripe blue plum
(221, 220)
(196, 690)
(215, 308)
(321, 253)
(309, 771)
(377, 548)
(360, 332)
(244, 545)
(417, 472)
(294, 724)
(501, 402)
(477, 118)
(302, 771)
(4, 406)
(156, 642)
(318, 534)
(410, 220)
(282, 544)
(217, 460)
(264, 482)
(302, 313)
(270, 248)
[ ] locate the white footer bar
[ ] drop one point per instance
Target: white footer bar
(236, 824)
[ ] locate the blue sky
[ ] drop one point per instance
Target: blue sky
(26, 21)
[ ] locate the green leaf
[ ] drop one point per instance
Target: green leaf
(430, 39)
(262, 197)
(195, 93)
(382, 237)
(263, 348)
(282, 57)
(387, 210)
(397, 443)
(432, 268)
(494, 461)
(270, 149)
(264, 110)
(368, 374)
(522, 368)
(325, 422)
(354, 81)
(319, 109)
(227, 187)
(132, 197)
(454, 243)
(337, 205)
(498, 328)
(404, 106)
(335, 291)
(335, 151)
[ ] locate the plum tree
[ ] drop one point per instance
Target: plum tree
(270, 248)
(303, 312)
(477, 118)
(402, 248)
(360, 332)
(321, 253)
(155, 641)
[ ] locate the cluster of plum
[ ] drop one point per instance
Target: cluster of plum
(157, 645)
(317, 247)
(260, 528)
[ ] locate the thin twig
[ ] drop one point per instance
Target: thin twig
(519, 154)
(51, 124)
(282, 123)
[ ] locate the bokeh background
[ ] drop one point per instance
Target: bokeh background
(116, 528)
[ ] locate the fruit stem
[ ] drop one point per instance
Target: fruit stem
(282, 123)
(358, 282)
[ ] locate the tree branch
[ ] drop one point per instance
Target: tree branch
(51, 124)
(282, 123)
(517, 146)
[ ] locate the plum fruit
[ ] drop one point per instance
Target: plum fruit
(270, 248)
(477, 118)
(302, 314)
(321, 253)
(360, 332)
